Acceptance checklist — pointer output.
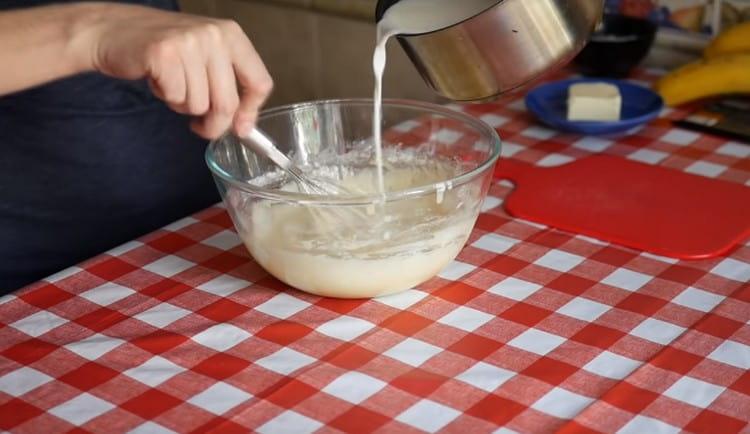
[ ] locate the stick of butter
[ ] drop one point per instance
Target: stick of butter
(594, 102)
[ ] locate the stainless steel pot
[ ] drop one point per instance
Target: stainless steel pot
(502, 48)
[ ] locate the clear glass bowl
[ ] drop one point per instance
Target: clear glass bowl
(438, 168)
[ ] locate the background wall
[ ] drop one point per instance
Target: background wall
(317, 49)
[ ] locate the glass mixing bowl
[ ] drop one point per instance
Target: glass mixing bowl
(438, 166)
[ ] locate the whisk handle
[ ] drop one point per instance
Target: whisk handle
(264, 146)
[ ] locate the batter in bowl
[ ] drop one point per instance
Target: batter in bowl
(365, 250)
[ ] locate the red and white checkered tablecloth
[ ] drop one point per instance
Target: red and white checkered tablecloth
(529, 330)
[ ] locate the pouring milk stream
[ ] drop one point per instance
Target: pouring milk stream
(409, 17)
(341, 254)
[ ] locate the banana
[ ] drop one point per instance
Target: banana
(708, 77)
(734, 40)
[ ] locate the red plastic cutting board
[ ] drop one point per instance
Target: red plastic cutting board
(651, 208)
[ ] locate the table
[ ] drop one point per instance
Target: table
(530, 329)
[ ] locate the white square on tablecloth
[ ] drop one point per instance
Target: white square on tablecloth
(693, 391)
(406, 126)
(559, 260)
(648, 156)
(592, 240)
(515, 289)
(509, 149)
(354, 387)
(658, 331)
(63, 274)
(680, 137)
(466, 318)
(81, 409)
(485, 376)
(179, 224)
(346, 328)
(282, 306)
(660, 258)
(6, 298)
(627, 279)
(593, 144)
(456, 270)
(150, 428)
(220, 398)
(539, 133)
(221, 337)
(734, 149)
(665, 111)
(290, 422)
(562, 403)
(495, 243)
(402, 300)
(733, 269)
(224, 240)
(162, 315)
(428, 416)
(494, 120)
(518, 105)
(94, 346)
(224, 285)
(412, 351)
(124, 248)
(698, 299)
(22, 380)
(644, 424)
(583, 309)
(537, 341)
(529, 222)
(504, 430)
(611, 365)
(106, 294)
(168, 266)
(285, 361)
(491, 202)
(732, 353)
(38, 323)
(154, 371)
(446, 135)
(553, 160)
(704, 168)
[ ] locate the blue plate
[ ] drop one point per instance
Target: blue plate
(549, 102)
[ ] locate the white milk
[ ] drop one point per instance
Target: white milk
(409, 17)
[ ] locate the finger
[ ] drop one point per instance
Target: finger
(196, 79)
(223, 94)
(254, 79)
(166, 75)
(179, 108)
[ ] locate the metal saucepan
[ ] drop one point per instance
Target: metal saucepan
(502, 48)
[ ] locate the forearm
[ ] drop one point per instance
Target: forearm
(41, 44)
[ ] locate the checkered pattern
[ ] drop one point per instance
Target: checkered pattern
(530, 329)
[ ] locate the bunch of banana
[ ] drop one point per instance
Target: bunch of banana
(725, 69)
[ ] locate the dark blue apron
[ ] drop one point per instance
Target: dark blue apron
(88, 163)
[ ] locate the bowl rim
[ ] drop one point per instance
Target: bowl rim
(391, 196)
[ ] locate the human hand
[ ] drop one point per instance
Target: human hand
(199, 66)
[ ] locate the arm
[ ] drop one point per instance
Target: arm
(40, 44)
(199, 66)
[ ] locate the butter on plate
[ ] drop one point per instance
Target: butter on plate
(594, 102)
